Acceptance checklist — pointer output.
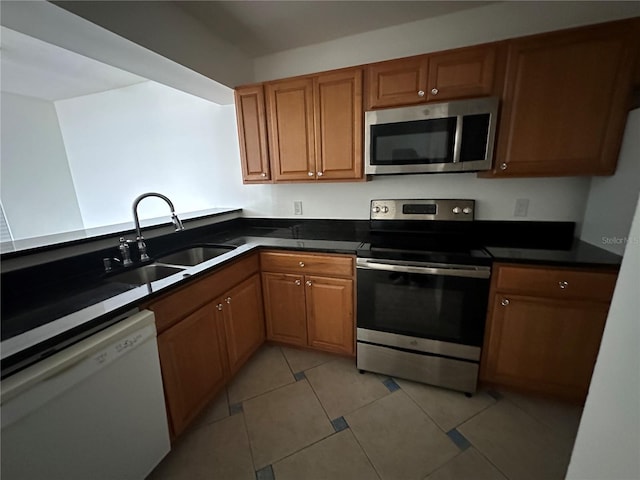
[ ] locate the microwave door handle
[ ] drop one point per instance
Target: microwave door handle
(441, 271)
(457, 146)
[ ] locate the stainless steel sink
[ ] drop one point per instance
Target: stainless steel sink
(194, 255)
(145, 274)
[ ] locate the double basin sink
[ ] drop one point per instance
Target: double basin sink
(169, 264)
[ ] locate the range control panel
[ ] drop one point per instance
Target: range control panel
(440, 209)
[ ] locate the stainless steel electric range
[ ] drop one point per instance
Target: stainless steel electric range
(422, 291)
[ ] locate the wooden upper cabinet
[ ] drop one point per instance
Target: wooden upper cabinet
(291, 129)
(397, 82)
(338, 125)
(453, 74)
(252, 134)
(466, 72)
(565, 102)
(315, 127)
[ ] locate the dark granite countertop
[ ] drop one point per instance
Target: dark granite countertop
(86, 302)
(581, 254)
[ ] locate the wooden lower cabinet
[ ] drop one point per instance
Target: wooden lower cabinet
(330, 313)
(304, 305)
(240, 309)
(285, 310)
(540, 342)
(194, 365)
(206, 331)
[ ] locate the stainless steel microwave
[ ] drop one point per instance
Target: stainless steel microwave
(455, 136)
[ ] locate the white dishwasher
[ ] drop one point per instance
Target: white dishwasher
(92, 411)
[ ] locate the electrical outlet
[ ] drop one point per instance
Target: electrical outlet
(297, 207)
(522, 207)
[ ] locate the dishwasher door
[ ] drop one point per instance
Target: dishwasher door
(92, 411)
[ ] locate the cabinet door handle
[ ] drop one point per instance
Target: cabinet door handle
(219, 306)
(298, 282)
(563, 284)
(308, 283)
(421, 93)
(434, 91)
(228, 299)
(505, 302)
(301, 264)
(310, 174)
(503, 166)
(263, 174)
(320, 174)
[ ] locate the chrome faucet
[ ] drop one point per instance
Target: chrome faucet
(142, 247)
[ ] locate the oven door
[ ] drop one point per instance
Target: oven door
(447, 303)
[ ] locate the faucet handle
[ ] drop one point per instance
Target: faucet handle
(124, 251)
(176, 222)
(142, 248)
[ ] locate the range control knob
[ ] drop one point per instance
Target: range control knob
(385, 209)
(466, 210)
(457, 210)
(376, 209)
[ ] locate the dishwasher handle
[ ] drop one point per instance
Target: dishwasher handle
(437, 269)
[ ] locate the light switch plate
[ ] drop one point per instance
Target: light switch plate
(297, 207)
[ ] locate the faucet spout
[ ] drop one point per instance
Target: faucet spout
(140, 239)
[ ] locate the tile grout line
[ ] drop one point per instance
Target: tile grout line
(365, 452)
(246, 430)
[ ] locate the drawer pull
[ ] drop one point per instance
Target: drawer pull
(298, 282)
(301, 264)
(219, 306)
(505, 302)
(563, 284)
(308, 283)
(228, 299)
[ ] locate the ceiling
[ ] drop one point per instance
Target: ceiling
(34, 68)
(263, 27)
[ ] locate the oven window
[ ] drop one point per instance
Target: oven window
(417, 142)
(444, 308)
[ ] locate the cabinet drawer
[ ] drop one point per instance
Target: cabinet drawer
(307, 263)
(176, 305)
(557, 283)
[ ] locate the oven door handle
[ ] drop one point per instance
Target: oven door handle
(450, 271)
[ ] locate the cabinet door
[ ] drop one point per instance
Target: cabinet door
(397, 82)
(565, 102)
(330, 313)
(243, 321)
(543, 345)
(338, 123)
(291, 131)
(193, 364)
(467, 72)
(284, 306)
(252, 134)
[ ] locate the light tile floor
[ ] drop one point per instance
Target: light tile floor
(293, 414)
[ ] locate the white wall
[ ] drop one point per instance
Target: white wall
(608, 438)
(36, 187)
(549, 198)
(611, 200)
(488, 23)
(149, 137)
